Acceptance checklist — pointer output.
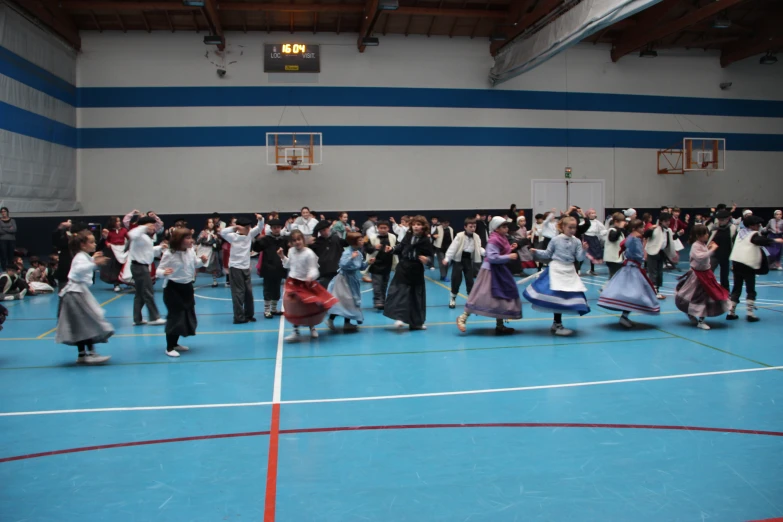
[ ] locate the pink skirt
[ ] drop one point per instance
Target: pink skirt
(306, 302)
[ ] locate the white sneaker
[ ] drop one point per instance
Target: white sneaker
(95, 358)
(701, 325)
(626, 322)
(779, 268)
(559, 329)
(452, 303)
(116, 288)
(399, 324)
(172, 353)
(157, 322)
(313, 333)
(181, 348)
(294, 337)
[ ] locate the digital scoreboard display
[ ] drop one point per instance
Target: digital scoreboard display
(292, 58)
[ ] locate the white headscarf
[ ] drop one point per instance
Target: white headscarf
(496, 222)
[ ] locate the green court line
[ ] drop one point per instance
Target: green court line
(721, 350)
(370, 354)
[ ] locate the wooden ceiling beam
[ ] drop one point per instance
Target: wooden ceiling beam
(368, 21)
(55, 18)
(743, 50)
(213, 19)
(543, 8)
(654, 29)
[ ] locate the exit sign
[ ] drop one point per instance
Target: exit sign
(568, 172)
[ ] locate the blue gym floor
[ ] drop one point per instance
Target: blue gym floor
(664, 422)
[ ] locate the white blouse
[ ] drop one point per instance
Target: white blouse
(302, 264)
(82, 268)
(184, 263)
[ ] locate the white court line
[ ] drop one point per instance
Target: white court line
(278, 383)
(406, 396)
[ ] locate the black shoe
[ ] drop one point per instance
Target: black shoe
(240, 321)
(753, 319)
(251, 319)
(267, 315)
(732, 317)
(277, 313)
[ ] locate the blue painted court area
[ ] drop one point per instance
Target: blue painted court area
(664, 422)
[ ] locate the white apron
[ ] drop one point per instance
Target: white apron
(563, 277)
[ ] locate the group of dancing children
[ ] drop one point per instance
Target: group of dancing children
(322, 273)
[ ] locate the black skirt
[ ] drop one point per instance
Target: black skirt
(406, 300)
(181, 304)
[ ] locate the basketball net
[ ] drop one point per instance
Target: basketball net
(294, 165)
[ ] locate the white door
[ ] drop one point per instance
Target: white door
(587, 194)
(549, 194)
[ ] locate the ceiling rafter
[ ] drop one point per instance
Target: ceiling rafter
(542, 9)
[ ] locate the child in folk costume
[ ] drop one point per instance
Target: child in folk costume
(495, 293)
(722, 233)
(38, 277)
(329, 248)
(241, 238)
(595, 236)
(630, 290)
(558, 289)
(660, 246)
(208, 245)
(613, 256)
(346, 287)
(306, 303)
(748, 259)
(401, 229)
(382, 261)
(406, 301)
(523, 239)
(775, 231)
(142, 256)
(115, 239)
(81, 320)
(225, 251)
(698, 293)
(465, 252)
(178, 269)
(272, 269)
(341, 227)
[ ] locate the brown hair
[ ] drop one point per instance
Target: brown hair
(697, 231)
(635, 224)
(295, 235)
(617, 217)
(647, 217)
(470, 221)
(77, 240)
(423, 222)
(353, 238)
(564, 221)
(112, 220)
(178, 237)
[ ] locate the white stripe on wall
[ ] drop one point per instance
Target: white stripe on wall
(417, 117)
(20, 95)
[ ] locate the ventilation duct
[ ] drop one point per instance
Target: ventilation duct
(586, 18)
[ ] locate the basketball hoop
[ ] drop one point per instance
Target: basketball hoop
(294, 164)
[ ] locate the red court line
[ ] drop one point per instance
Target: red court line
(271, 467)
(131, 444)
(273, 448)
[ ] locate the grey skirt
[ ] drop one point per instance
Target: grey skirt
(81, 320)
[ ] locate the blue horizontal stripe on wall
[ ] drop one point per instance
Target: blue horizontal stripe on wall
(102, 97)
(20, 121)
(411, 136)
(26, 72)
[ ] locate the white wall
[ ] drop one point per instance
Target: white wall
(233, 179)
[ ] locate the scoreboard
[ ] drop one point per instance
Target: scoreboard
(292, 58)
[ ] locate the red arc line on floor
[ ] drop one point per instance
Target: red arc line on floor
(271, 467)
(275, 424)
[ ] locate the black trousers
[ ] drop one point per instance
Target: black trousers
(7, 248)
(655, 269)
(380, 283)
(272, 288)
(459, 268)
(724, 265)
(747, 275)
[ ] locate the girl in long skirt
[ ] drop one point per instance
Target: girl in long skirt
(178, 268)
(630, 290)
(558, 289)
(595, 238)
(495, 293)
(81, 320)
(346, 286)
(775, 231)
(698, 293)
(306, 302)
(406, 301)
(115, 239)
(208, 244)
